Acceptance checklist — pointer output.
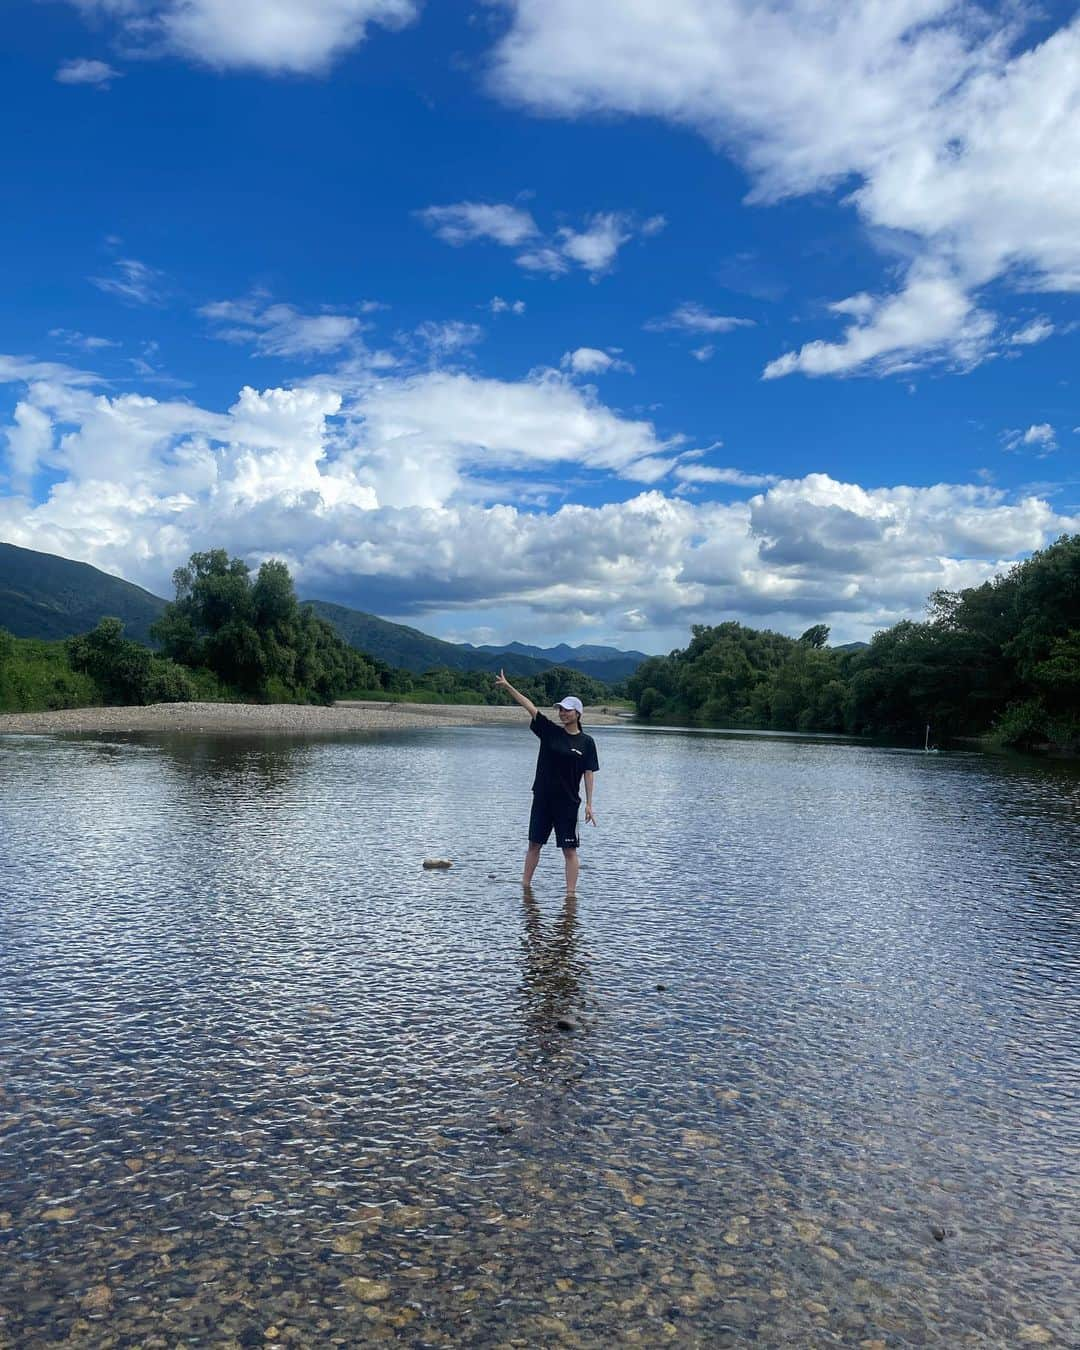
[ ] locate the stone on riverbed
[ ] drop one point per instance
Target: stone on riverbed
(367, 1291)
(99, 1299)
(433, 864)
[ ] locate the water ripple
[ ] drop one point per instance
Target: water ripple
(799, 1067)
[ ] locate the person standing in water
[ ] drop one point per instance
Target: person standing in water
(567, 755)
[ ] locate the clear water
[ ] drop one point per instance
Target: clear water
(265, 1080)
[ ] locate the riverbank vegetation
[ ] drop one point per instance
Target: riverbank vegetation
(229, 637)
(36, 676)
(999, 660)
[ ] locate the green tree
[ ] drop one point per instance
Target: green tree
(817, 636)
(254, 636)
(125, 671)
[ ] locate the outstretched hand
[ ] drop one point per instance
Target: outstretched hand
(501, 682)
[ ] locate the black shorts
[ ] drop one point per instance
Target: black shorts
(543, 820)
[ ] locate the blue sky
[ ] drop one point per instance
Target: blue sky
(542, 320)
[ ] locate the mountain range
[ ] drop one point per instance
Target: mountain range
(45, 596)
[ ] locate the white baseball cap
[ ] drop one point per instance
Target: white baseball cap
(571, 704)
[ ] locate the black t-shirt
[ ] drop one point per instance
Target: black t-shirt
(561, 763)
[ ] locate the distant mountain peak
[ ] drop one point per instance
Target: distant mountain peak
(399, 645)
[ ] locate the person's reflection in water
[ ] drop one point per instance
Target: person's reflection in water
(553, 972)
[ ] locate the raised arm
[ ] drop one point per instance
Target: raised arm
(503, 683)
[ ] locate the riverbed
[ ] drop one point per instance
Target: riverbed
(797, 1067)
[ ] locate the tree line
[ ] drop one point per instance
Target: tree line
(1001, 658)
(229, 636)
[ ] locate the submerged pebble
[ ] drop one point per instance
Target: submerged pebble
(264, 1085)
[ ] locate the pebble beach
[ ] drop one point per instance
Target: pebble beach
(272, 719)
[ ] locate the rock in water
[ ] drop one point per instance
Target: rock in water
(433, 864)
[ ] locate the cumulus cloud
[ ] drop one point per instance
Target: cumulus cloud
(83, 71)
(956, 136)
(373, 498)
(498, 305)
(464, 222)
(29, 439)
(280, 330)
(594, 247)
(544, 258)
(691, 317)
(932, 316)
(421, 432)
(1040, 436)
(593, 361)
(301, 37)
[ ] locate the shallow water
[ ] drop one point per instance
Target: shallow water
(799, 1067)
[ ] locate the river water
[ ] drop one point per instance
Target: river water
(798, 1067)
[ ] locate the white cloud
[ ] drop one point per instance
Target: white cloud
(29, 440)
(444, 339)
(704, 353)
(133, 281)
(702, 473)
(382, 502)
(593, 361)
(593, 248)
(272, 36)
(543, 259)
(958, 140)
(417, 435)
(691, 317)
(17, 369)
(932, 316)
(498, 305)
(295, 334)
(73, 338)
(84, 71)
(1040, 435)
(393, 494)
(1038, 330)
(281, 330)
(466, 221)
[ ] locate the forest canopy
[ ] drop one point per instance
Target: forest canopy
(1003, 657)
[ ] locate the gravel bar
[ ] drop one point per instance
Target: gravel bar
(274, 718)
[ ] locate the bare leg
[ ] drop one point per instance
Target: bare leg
(532, 857)
(570, 854)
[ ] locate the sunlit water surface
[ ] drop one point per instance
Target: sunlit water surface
(799, 1067)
